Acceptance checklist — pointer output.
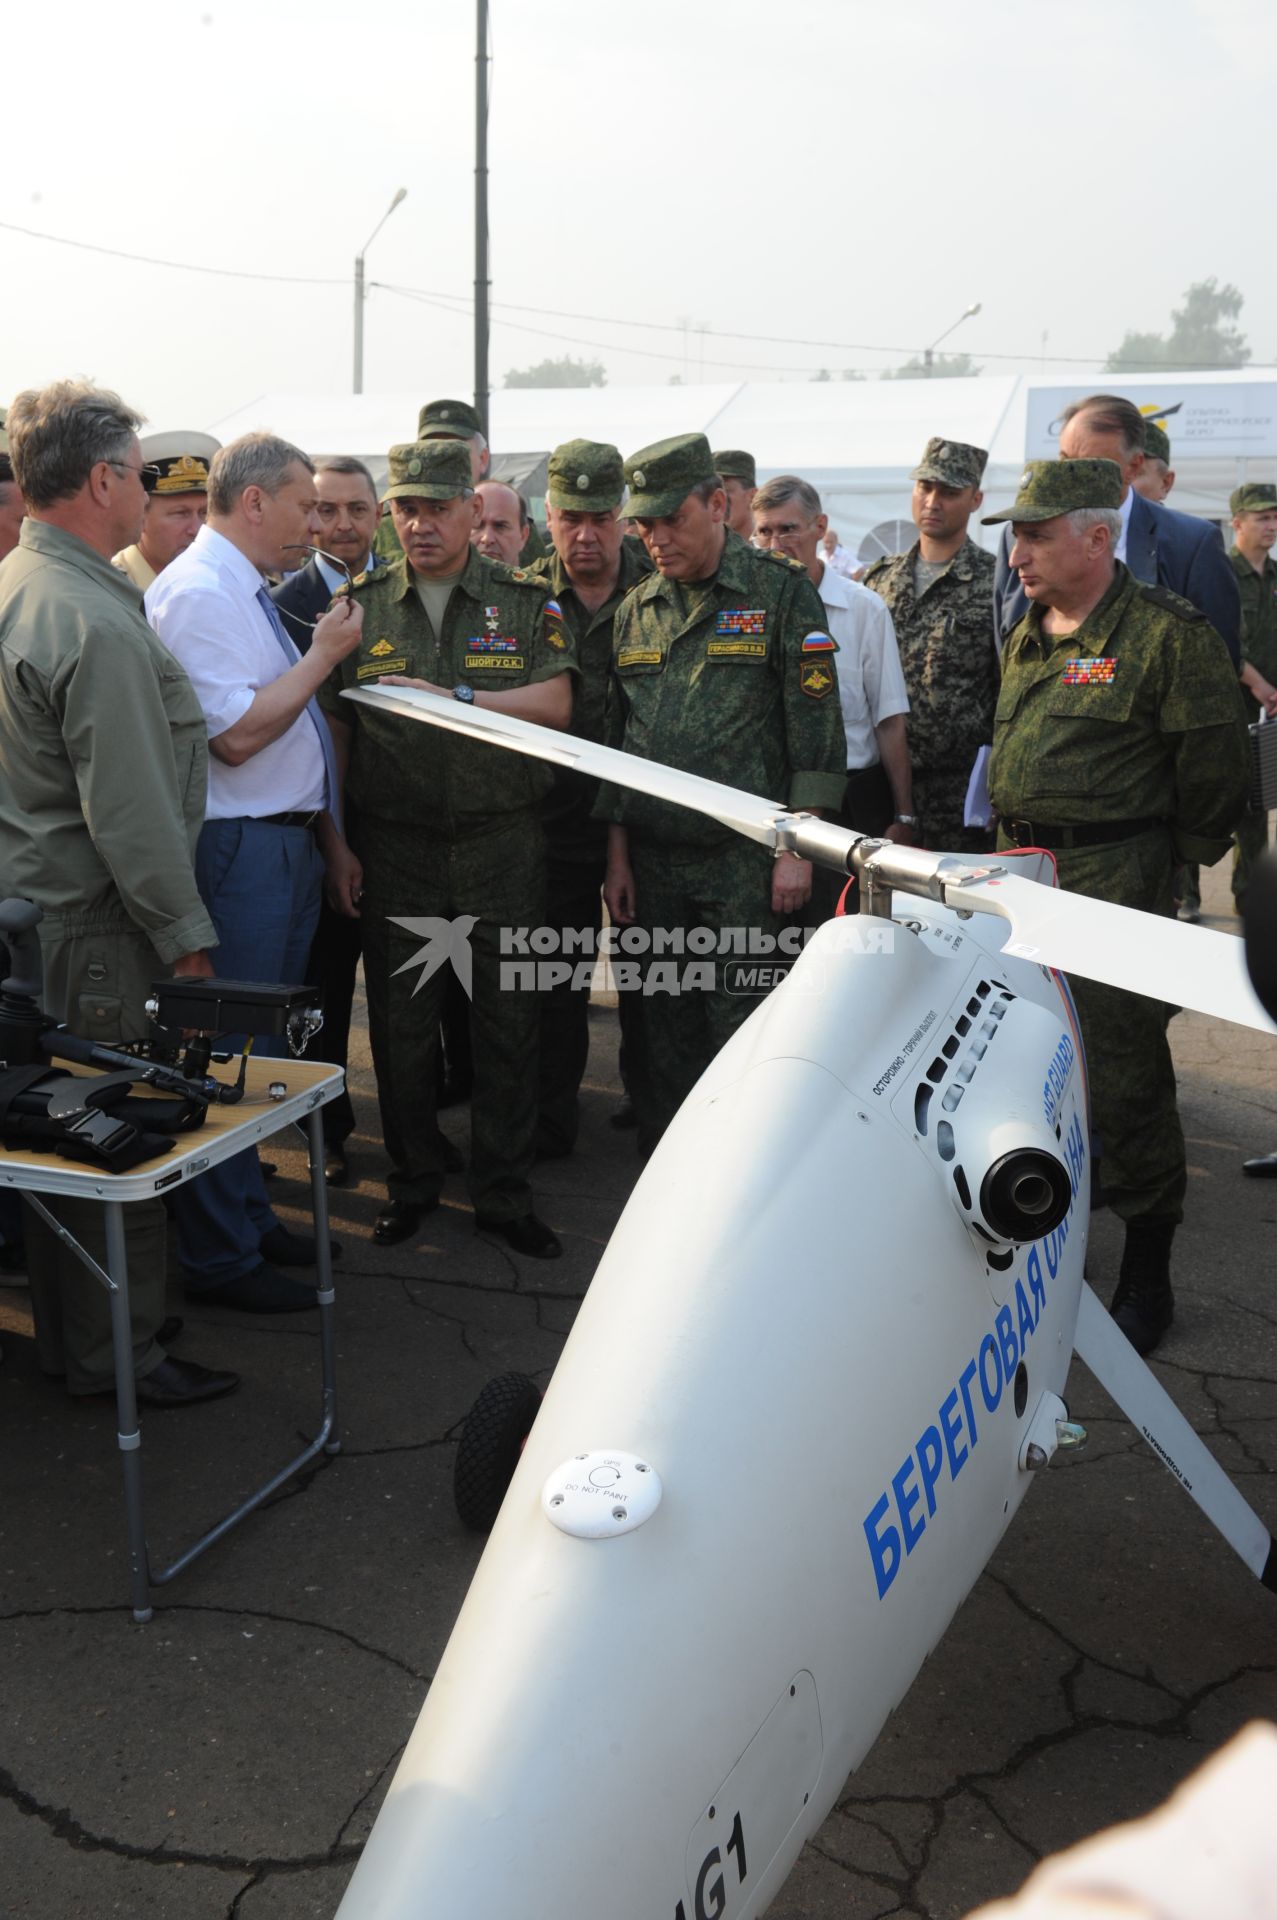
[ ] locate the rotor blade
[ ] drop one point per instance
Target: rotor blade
(1140, 952)
(744, 813)
(1100, 1342)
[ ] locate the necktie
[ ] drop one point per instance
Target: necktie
(332, 798)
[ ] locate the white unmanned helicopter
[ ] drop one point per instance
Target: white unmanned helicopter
(735, 1533)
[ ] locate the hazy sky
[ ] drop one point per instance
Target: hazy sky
(827, 170)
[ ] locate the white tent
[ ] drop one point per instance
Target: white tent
(856, 441)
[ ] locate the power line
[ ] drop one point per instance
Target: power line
(464, 305)
(178, 266)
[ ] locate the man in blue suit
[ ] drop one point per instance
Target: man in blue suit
(348, 513)
(1160, 546)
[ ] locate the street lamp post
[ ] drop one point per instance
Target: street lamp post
(928, 352)
(401, 194)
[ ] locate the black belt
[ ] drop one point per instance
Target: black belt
(288, 819)
(1051, 833)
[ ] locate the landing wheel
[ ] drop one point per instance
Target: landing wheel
(491, 1441)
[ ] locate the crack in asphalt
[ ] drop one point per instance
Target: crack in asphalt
(61, 1824)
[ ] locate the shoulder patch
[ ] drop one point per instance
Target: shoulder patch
(1159, 596)
(782, 559)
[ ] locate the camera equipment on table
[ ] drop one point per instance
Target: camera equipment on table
(150, 1091)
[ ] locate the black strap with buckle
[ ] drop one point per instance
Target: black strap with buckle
(288, 819)
(1052, 834)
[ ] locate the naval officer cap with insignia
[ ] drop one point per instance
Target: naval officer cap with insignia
(456, 420)
(175, 474)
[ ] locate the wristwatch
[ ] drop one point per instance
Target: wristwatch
(464, 693)
(902, 819)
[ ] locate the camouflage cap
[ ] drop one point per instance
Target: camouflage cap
(734, 464)
(428, 470)
(1157, 443)
(585, 476)
(1257, 496)
(661, 476)
(952, 463)
(1049, 488)
(448, 420)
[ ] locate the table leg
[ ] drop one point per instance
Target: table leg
(129, 1434)
(324, 1269)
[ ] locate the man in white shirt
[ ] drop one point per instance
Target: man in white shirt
(840, 558)
(271, 782)
(871, 686)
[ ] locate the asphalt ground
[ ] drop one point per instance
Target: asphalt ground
(228, 1758)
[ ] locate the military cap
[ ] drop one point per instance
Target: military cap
(661, 476)
(1157, 443)
(952, 463)
(428, 470)
(733, 464)
(448, 420)
(182, 459)
(1051, 487)
(585, 476)
(1257, 496)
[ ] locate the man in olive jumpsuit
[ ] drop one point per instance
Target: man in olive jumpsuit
(1118, 744)
(103, 770)
(446, 829)
(723, 667)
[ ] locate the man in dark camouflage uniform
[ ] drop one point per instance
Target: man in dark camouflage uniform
(442, 827)
(589, 571)
(1119, 745)
(941, 598)
(724, 668)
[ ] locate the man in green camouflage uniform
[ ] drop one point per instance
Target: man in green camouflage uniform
(1254, 511)
(739, 475)
(445, 829)
(723, 667)
(590, 568)
(1156, 477)
(941, 598)
(1119, 745)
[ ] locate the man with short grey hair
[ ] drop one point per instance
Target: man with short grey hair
(871, 687)
(1159, 545)
(102, 771)
(272, 795)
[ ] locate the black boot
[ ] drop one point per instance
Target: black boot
(1143, 1305)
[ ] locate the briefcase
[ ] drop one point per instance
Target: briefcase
(1263, 764)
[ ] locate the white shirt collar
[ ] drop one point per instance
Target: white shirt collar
(1119, 550)
(225, 554)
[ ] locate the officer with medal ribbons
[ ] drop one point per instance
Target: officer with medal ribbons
(722, 667)
(445, 830)
(1119, 745)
